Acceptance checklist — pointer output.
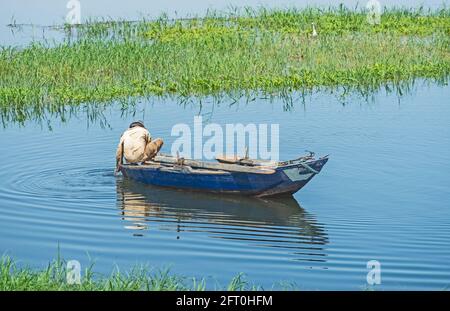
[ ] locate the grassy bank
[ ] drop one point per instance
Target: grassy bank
(53, 277)
(268, 51)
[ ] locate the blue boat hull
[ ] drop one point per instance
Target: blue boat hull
(285, 180)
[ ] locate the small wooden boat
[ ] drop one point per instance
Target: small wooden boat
(242, 176)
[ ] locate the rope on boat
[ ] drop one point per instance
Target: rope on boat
(309, 168)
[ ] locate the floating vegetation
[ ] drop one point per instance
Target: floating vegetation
(263, 51)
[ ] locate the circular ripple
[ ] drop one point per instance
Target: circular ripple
(76, 183)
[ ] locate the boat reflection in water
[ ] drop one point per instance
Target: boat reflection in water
(255, 222)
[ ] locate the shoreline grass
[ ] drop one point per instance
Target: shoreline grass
(54, 278)
(264, 51)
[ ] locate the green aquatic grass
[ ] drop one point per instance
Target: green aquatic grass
(332, 21)
(263, 51)
(53, 278)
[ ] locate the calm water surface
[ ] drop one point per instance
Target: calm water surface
(383, 196)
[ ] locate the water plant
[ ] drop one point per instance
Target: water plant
(239, 52)
(14, 277)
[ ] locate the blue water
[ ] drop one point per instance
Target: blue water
(383, 195)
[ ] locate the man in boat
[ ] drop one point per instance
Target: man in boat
(136, 145)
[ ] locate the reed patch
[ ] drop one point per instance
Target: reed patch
(14, 277)
(263, 51)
